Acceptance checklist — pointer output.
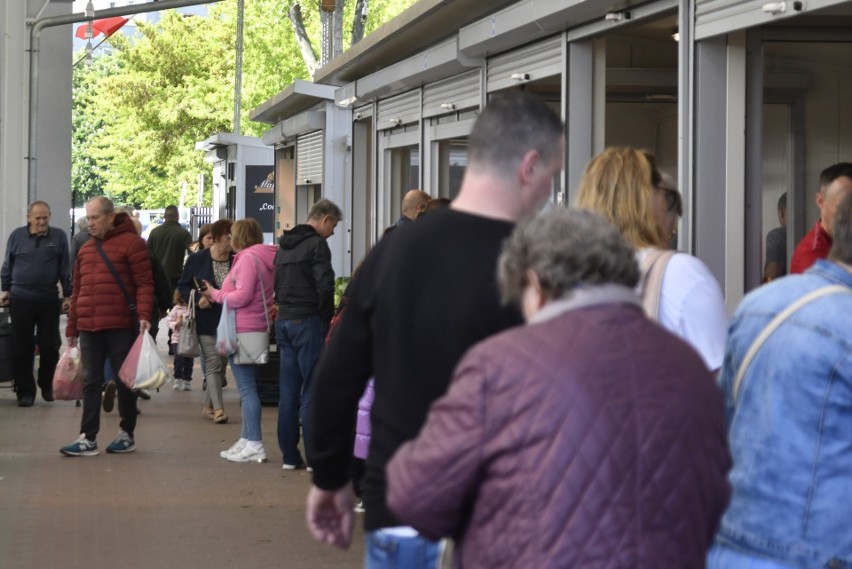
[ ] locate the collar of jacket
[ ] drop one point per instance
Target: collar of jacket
(832, 271)
(587, 296)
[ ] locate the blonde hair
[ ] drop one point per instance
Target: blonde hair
(245, 233)
(621, 184)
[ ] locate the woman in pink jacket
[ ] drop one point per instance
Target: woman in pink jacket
(245, 287)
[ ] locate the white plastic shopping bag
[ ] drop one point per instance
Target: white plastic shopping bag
(144, 367)
(226, 332)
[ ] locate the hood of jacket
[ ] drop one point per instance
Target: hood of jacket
(121, 224)
(290, 239)
(264, 253)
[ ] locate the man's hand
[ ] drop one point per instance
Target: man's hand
(72, 341)
(331, 516)
(66, 305)
(144, 326)
(4, 298)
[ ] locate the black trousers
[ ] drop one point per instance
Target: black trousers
(95, 348)
(27, 317)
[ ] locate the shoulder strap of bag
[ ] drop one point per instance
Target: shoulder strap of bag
(192, 303)
(653, 267)
(773, 325)
(262, 291)
(127, 298)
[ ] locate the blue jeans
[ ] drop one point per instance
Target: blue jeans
(386, 551)
(246, 376)
(725, 557)
(299, 345)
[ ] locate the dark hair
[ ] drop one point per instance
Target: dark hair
(433, 204)
(171, 213)
(220, 228)
(202, 233)
(841, 248)
(512, 124)
(827, 176)
(325, 207)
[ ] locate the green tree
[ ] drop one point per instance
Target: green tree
(86, 178)
(140, 110)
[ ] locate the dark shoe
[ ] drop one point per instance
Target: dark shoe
(47, 395)
(26, 401)
(109, 396)
(143, 394)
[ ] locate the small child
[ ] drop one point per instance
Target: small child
(182, 364)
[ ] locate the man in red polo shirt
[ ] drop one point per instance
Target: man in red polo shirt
(834, 183)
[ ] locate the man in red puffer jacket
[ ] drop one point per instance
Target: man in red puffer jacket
(103, 320)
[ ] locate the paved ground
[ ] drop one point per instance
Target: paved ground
(174, 503)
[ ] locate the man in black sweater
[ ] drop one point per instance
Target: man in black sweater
(423, 296)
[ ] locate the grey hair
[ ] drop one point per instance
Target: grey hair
(82, 223)
(841, 248)
(325, 207)
(104, 203)
(37, 203)
(566, 249)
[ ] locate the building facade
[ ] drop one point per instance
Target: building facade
(740, 101)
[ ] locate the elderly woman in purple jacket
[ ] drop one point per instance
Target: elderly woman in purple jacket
(590, 437)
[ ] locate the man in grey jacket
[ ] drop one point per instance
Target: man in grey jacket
(304, 291)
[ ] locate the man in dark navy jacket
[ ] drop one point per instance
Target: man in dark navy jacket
(36, 261)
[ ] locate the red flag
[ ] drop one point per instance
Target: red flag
(107, 26)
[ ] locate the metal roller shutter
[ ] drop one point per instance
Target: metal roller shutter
(309, 158)
(399, 110)
(543, 59)
(715, 17)
(454, 94)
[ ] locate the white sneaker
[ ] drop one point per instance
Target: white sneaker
(186, 385)
(178, 385)
(251, 452)
(235, 448)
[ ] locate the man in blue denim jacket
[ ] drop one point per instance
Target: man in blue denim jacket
(789, 425)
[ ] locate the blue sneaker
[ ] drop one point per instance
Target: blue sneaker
(122, 443)
(81, 447)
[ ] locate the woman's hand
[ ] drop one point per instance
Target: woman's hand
(204, 302)
(207, 291)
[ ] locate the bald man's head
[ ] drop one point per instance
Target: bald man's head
(414, 203)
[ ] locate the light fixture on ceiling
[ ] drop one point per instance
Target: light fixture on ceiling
(347, 102)
(448, 106)
(521, 76)
(675, 35)
(617, 16)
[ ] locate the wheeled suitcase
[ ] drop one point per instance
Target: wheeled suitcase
(5, 345)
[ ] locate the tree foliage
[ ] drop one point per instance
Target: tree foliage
(139, 111)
